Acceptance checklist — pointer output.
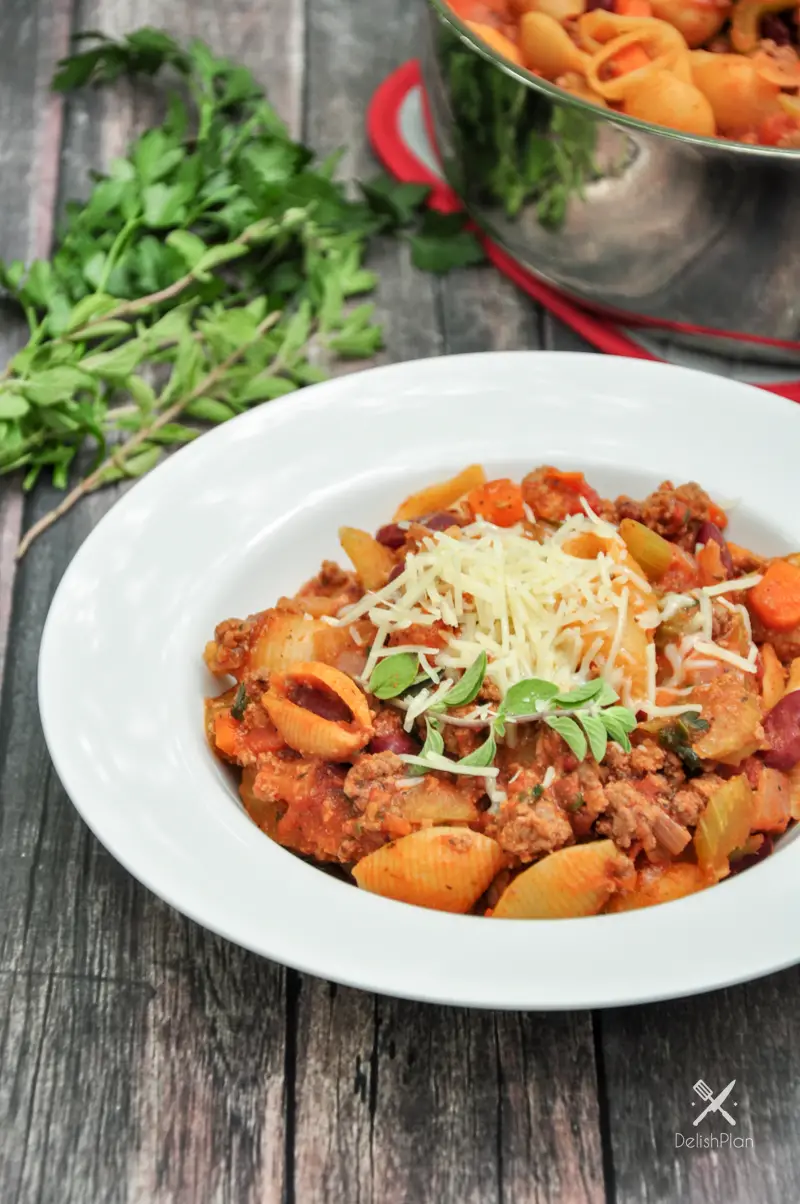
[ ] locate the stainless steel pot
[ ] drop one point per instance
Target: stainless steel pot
(619, 214)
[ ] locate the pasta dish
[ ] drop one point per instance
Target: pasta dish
(523, 701)
(708, 67)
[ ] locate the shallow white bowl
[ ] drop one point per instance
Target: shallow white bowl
(246, 514)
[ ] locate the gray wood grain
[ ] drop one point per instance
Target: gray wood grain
(30, 136)
(403, 1102)
(653, 1057)
(351, 48)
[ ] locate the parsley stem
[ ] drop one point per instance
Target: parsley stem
(120, 454)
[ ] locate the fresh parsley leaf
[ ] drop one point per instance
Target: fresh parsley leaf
(483, 755)
(443, 243)
(393, 675)
(569, 732)
(468, 685)
(396, 202)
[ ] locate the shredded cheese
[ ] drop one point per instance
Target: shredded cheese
(732, 587)
(531, 607)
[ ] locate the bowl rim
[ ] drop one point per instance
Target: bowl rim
(720, 145)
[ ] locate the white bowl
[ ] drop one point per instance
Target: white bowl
(247, 513)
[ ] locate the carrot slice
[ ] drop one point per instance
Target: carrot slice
(225, 731)
(717, 516)
(776, 598)
(633, 8)
(499, 502)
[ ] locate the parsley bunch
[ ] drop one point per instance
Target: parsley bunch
(210, 270)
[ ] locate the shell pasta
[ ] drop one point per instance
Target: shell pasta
(704, 67)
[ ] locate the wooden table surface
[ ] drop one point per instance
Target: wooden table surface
(143, 1059)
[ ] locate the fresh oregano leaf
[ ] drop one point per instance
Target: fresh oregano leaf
(580, 695)
(595, 730)
(393, 675)
(434, 743)
(569, 732)
(484, 754)
(468, 685)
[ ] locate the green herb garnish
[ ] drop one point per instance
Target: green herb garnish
(434, 743)
(239, 702)
(468, 685)
(677, 738)
(207, 272)
(569, 732)
(393, 675)
(483, 755)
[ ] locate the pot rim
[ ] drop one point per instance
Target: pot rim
(742, 150)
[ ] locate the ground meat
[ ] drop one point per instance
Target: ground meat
(461, 741)
(647, 757)
(370, 784)
(227, 653)
(675, 513)
(785, 643)
(637, 815)
(331, 589)
(686, 806)
(553, 495)
(434, 636)
(526, 827)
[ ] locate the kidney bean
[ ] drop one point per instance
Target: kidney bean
(321, 703)
(396, 571)
(608, 5)
(774, 27)
(396, 742)
(782, 731)
(391, 536)
(710, 533)
(440, 521)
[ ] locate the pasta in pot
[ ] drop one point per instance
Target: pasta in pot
(703, 67)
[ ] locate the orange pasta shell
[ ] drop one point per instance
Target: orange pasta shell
(308, 733)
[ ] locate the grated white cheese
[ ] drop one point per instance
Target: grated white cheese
(531, 607)
(436, 761)
(731, 587)
(724, 654)
(549, 777)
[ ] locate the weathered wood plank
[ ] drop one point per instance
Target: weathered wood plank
(654, 1056)
(32, 39)
(161, 1076)
(351, 49)
(399, 1101)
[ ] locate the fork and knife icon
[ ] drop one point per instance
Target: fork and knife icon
(714, 1103)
